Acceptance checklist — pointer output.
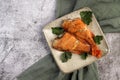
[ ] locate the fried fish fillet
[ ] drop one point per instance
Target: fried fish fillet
(69, 43)
(79, 29)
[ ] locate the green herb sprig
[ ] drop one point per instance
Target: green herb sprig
(98, 39)
(57, 30)
(86, 17)
(84, 56)
(65, 56)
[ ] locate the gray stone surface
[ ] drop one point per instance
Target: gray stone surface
(22, 42)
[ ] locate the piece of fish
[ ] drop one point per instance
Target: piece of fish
(79, 29)
(69, 43)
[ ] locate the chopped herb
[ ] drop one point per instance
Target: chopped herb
(65, 56)
(86, 16)
(97, 39)
(84, 55)
(57, 30)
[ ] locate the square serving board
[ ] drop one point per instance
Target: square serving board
(75, 62)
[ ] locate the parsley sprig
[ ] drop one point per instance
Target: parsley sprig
(57, 30)
(84, 56)
(98, 39)
(86, 17)
(65, 56)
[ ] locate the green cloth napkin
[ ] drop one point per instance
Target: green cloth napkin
(107, 13)
(46, 69)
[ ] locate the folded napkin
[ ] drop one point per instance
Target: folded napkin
(107, 13)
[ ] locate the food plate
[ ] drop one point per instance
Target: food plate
(75, 62)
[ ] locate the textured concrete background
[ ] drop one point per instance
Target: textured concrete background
(22, 42)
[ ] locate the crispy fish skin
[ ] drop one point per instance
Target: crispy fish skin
(69, 43)
(79, 29)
